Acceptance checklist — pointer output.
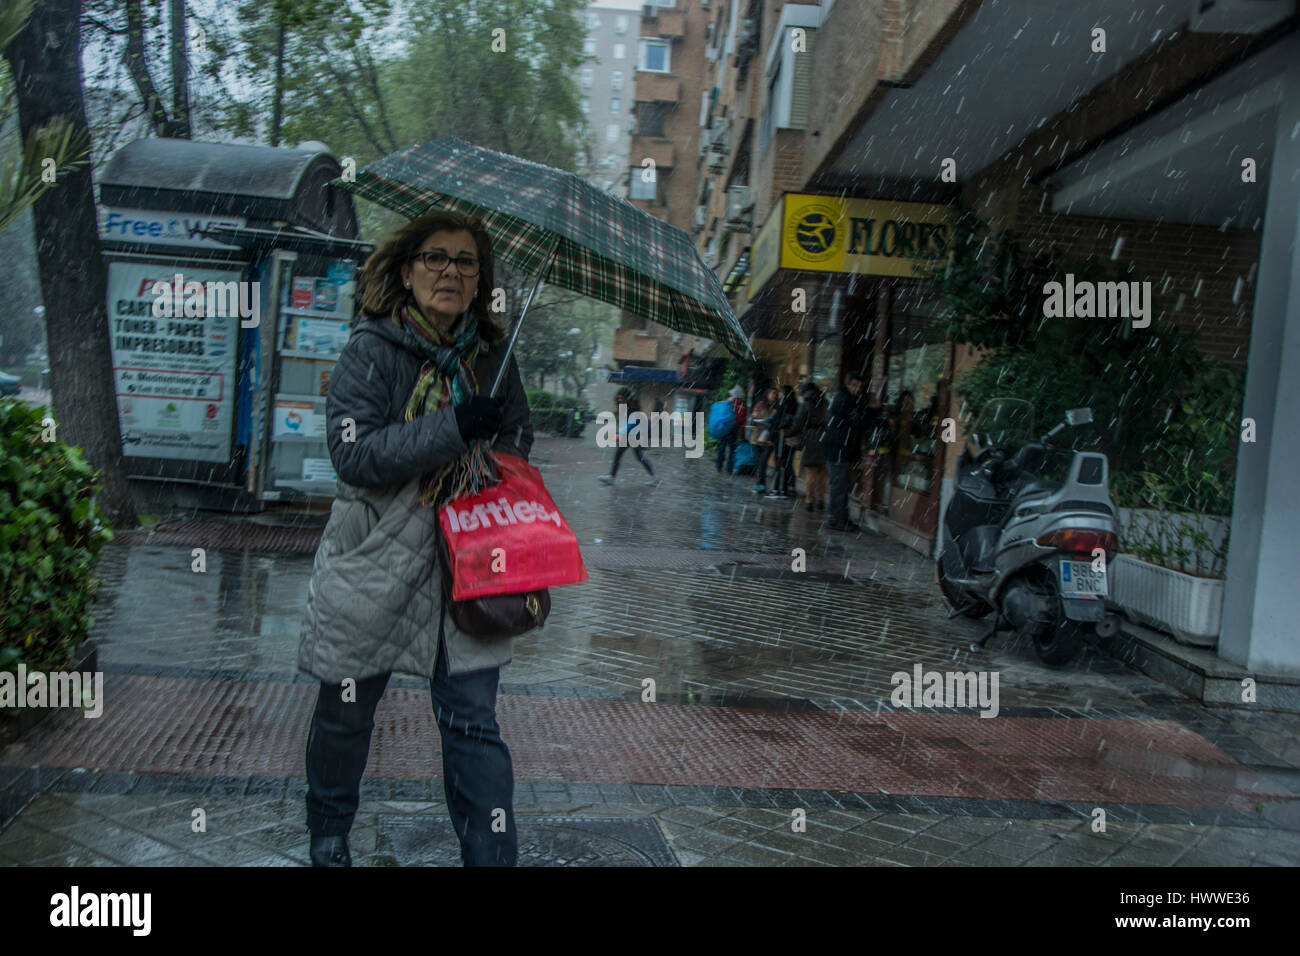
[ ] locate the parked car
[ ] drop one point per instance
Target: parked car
(10, 384)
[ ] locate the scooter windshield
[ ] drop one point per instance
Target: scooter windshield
(1005, 423)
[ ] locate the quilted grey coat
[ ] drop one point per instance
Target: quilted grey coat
(374, 603)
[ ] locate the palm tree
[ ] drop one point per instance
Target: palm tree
(51, 150)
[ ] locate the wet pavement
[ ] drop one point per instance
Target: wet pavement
(772, 706)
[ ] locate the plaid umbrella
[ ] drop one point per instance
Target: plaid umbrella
(561, 229)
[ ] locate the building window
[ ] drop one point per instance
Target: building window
(586, 78)
(586, 105)
(589, 47)
(638, 188)
(593, 21)
(620, 24)
(620, 51)
(616, 80)
(615, 105)
(653, 56)
(611, 132)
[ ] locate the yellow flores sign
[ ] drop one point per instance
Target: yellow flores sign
(866, 236)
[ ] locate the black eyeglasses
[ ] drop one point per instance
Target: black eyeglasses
(437, 262)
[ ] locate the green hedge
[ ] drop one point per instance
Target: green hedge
(51, 533)
(555, 413)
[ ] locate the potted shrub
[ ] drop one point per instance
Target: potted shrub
(1170, 572)
(51, 533)
(1174, 514)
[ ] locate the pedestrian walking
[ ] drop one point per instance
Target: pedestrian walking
(407, 408)
(634, 416)
(842, 446)
(809, 425)
(760, 436)
(783, 485)
(727, 443)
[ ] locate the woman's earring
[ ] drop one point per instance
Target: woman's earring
(408, 285)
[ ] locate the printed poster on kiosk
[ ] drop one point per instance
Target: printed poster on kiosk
(175, 377)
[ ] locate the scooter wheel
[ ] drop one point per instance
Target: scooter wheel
(1058, 645)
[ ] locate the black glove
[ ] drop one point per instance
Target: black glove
(479, 417)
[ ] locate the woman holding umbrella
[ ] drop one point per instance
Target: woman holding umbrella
(409, 419)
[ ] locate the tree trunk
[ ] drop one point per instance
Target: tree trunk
(45, 61)
(180, 124)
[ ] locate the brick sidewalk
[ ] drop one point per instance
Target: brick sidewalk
(772, 695)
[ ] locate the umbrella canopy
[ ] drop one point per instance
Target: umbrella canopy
(561, 229)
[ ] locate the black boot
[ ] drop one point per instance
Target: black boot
(330, 851)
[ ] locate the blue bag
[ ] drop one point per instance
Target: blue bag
(722, 419)
(744, 459)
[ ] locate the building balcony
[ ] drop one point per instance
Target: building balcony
(666, 22)
(633, 345)
(661, 150)
(657, 88)
(670, 24)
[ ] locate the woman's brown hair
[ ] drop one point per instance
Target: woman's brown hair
(382, 293)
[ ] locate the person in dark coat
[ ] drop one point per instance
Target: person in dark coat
(842, 445)
(783, 455)
(407, 417)
(808, 426)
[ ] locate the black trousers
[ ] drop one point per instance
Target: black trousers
(478, 776)
(640, 456)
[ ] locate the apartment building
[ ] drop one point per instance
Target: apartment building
(605, 83)
(840, 137)
(670, 82)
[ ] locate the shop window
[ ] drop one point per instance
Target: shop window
(914, 367)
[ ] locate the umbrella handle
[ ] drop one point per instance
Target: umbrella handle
(505, 361)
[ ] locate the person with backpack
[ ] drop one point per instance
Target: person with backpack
(728, 435)
(634, 415)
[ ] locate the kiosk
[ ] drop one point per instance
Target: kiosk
(231, 285)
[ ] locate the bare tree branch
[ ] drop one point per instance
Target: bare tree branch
(134, 60)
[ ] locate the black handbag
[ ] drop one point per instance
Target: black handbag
(497, 616)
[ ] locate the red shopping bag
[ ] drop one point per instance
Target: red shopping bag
(510, 538)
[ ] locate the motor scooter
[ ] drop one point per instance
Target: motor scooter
(1029, 536)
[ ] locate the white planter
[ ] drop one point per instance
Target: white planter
(1186, 606)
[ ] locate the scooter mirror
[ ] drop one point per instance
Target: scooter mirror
(1079, 416)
